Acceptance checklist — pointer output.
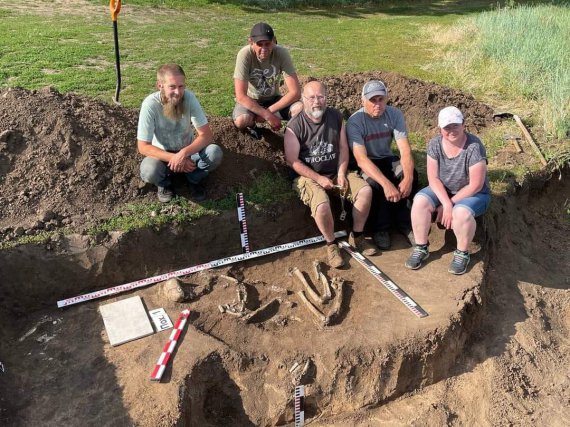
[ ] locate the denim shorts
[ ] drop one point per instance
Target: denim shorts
(476, 204)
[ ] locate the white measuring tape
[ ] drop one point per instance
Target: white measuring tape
(399, 293)
(300, 406)
(212, 264)
(242, 223)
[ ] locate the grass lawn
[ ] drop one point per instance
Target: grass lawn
(72, 48)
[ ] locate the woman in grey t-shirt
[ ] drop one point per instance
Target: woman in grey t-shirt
(458, 190)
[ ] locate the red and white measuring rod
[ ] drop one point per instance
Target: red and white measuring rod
(169, 347)
(212, 264)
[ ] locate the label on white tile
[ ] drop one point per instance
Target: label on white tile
(160, 319)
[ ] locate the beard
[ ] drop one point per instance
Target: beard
(173, 107)
(316, 114)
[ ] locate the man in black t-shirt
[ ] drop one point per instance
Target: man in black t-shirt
(316, 149)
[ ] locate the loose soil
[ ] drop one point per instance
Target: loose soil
(498, 333)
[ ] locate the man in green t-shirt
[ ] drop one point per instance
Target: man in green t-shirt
(257, 77)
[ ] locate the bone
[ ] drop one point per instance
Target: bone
(312, 294)
(251, 317)
(231, 309)
(229, 278)
(242, 293)
(316, 312)
(294, 367)
(334, 314)
(317, 269)
(319, 276)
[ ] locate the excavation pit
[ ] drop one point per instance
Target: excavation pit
(225, 371)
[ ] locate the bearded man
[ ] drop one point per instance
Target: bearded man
(317, 151)
(165, 136)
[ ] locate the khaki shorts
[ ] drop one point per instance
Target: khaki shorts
(312, 194)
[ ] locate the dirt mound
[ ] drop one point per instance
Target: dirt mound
(419, 100)
(68, 160)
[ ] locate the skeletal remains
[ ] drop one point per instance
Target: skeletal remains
(337, 284)
(239, 308)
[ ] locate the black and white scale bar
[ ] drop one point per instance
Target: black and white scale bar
(212, 264)
(242, 222)
(385, 280)
(300, 406)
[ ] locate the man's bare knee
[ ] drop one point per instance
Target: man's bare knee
(296, 108)
(243, 121)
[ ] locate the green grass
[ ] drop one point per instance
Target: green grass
(520, 53)
(73, 51)
(268, 188)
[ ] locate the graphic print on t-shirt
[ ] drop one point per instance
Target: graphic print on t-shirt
(320, 151)
(264, 80)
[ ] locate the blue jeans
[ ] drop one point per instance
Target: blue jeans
(156, 171)
(477, 204)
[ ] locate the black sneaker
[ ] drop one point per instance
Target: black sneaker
(460, 262)
(254, 131)
(382, 239)
(165, 194)
(419, 254)
(197, 192)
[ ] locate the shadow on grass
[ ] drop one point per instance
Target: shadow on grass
(359, 9)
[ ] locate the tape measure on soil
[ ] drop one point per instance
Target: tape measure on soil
(242, 222)
(169, 347)
(300, 406)
(399, 293)
(212, 264)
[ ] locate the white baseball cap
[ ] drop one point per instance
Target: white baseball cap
(449, 115)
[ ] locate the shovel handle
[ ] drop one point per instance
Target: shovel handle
(115, 7)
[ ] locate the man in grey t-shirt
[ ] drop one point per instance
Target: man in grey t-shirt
(257, 77)
(316, 150)
(165, 136)
(371, 131)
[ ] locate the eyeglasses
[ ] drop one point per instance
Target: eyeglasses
(315, 98)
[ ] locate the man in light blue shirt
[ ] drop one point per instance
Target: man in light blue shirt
(165, 136)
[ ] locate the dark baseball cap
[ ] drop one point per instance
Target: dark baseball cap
(261, 31)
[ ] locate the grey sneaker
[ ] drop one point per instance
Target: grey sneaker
(382, 240)
(334, 257)
(419, 254)
(361, 245)
(165, 194)
(460, 262)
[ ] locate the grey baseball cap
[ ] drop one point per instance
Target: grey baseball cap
(374, 88)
